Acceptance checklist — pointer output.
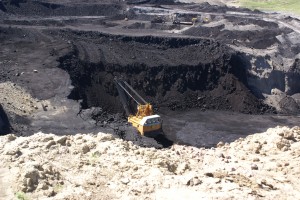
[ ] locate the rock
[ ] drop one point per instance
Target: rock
(221, 155)
(182, 167)
(194, 181)
(258, 148)
(78, 137)
(43, 186)
(92, 145)
(62, 140)
(105, 137)
(254, 167)
(14, 151)
(288, 105)
(289, 135)
(68, 143)
(255, 159)
(279, 165)
(50, 143)
(285, 148)
(125, 181)
(220, 144)
(64, 150)
(276, 91)
(48, 169)
(282, 143)
(85, 148)
(31, 177)
(49, 193)
(11, 137)
(47, 138)
(255, 147)
(209, 174)
(281, 134)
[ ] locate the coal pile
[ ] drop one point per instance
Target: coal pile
(170, 72)
(41, 8)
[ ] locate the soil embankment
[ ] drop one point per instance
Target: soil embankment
(83, 166)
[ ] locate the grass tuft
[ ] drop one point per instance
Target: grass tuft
(21, 196)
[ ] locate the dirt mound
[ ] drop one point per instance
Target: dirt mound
(258, 39)
(156, 26)
(245, 21)
(136, 25)
(206, 7)
(163, 2)
(156, 2)
(39, 8)
(99, 166)
(289, 105)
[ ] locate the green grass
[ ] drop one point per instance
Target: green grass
(288, 6)
(57, 188)
(21, 196)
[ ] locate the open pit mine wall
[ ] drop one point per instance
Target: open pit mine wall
(292, 78)
(4, 123)
(209, 75)
(265, 74)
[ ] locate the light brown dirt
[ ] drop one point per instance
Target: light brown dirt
(15, 99)
(85, 166)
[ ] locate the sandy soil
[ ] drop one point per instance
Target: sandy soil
(86, 166)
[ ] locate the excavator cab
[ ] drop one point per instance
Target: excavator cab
(148, 125)
(144, 120)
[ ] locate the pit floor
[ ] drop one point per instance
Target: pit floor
(206, 129)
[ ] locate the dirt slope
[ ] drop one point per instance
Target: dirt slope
(85, 166)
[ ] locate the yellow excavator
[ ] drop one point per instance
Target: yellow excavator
(144, 120)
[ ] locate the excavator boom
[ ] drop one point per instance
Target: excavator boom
(144, 120)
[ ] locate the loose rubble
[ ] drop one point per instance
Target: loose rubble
(16, 100)
(87, 166)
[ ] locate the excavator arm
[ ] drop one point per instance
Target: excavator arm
(144, 120)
